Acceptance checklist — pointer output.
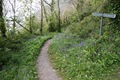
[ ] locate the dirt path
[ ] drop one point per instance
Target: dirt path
(45, 70)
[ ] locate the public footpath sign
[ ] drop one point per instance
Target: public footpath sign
(103, 15)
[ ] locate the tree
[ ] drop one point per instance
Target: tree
(45, 13)
(41, 16)
(14, 12)
(59, 20)
(2, 23)
(31, 17)
(28, 7)
(52, 15)
(78, 4)
(114, 7)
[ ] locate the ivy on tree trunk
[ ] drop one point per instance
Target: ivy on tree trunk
(2, 23)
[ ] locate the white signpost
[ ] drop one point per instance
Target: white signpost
(103, 15)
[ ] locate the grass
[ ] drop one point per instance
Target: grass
(81, 54)
(84, 59)
(18, 60)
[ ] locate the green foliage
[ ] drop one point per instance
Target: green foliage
(114, 7)
(89, 27)
(84, 59)
(19, 63)
(78, 54)
(52, 23)
(82, 54)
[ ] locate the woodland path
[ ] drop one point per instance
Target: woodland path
(45, 69)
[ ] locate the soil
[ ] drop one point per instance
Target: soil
(45, 69)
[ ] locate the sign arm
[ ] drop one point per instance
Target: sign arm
(103, 15)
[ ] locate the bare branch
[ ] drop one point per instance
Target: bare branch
(22, 26)
(12, 5)
(47, 3)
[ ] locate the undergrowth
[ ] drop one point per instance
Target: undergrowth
(18, 60)
(81, 54)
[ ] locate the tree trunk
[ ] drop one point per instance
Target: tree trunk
(14, 13)
(51, 24)
(30, 17)
(2, 23)
(59, 20)
(41, 17)
(45, 13)
(14, 24)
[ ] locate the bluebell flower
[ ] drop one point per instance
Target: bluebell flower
(82, 43)
(93, 43)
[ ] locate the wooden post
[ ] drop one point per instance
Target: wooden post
(101, 20)
(101, 24)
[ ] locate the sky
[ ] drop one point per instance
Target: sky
(21, 11)
(20, 7)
